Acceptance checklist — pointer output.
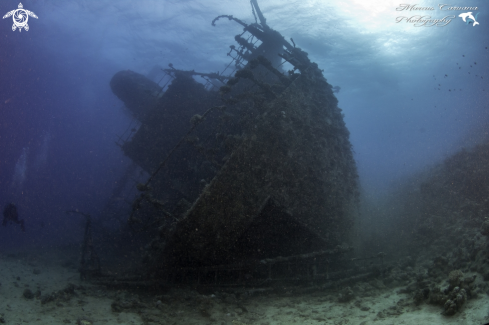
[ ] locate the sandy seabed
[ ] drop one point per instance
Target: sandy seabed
(45, 288)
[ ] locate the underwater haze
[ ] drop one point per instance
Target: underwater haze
(411, 95)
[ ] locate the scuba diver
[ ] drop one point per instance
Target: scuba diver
(10, 214)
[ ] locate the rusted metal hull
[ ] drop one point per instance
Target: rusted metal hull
(298, 156)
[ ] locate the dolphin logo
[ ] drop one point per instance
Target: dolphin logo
(469, 16)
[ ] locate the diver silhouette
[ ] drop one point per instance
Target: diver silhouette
(10, 215)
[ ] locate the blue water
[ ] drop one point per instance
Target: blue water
(406, 92)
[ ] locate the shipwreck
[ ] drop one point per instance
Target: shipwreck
(251, 166)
